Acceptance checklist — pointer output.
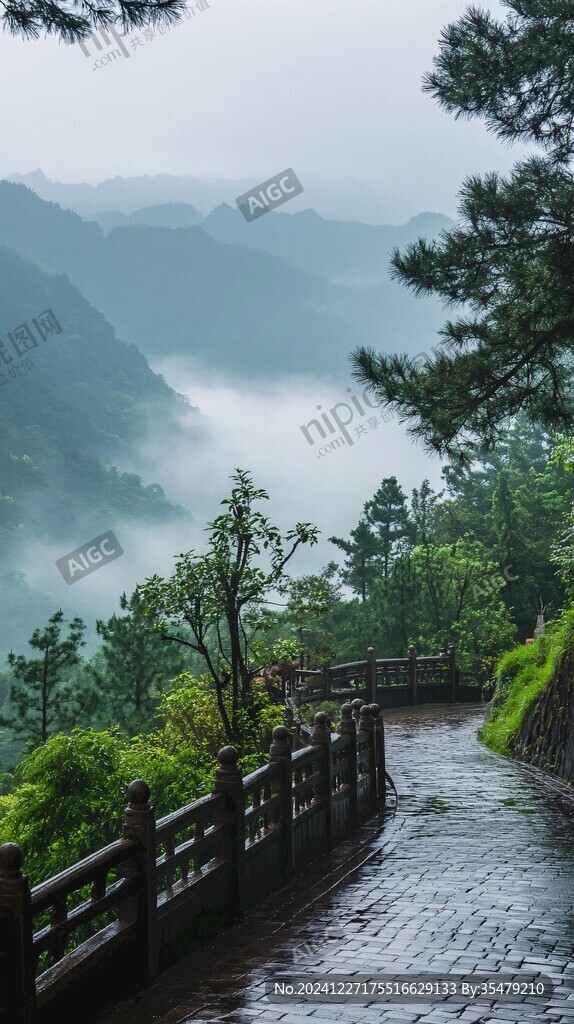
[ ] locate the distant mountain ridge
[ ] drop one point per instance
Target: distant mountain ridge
(341, 251)
(179, 291)
(241, 309)
(345, 252)
(129, 194)
(342, 199)
(163, 215)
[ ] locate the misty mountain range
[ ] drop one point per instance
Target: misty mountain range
(128, 194)
(339, 198)
(243, 309)
(262, 299)
(162, 215)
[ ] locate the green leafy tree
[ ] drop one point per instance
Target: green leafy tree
(218, 592)
(512, 499)
(453, 576)
(136, 665)
(395, 608)
(459, 601)
(68, 795)
(562, 550)
(506, 524)
(191, 721)
(310, 598)
(38, 699)
(509, 261)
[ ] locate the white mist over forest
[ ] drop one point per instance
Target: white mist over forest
(255, 427)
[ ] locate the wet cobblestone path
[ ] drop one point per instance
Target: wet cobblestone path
(474, 873)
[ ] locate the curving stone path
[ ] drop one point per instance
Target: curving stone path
(474, 874)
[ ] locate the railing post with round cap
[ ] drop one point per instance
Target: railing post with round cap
(139, 825)
(371, 679)
(17, 972)
(280, 753)
(367, 729)
(327, 677)
(356, 705)
(413, 695)
(321, 737)
(348, 727)
(229, 781)
(451, 650)
(379, 755)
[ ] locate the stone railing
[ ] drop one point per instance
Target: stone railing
(105, 927)
(389, 682)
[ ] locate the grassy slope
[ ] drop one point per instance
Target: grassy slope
(522, 675)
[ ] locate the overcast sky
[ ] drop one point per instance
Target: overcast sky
(246, 88)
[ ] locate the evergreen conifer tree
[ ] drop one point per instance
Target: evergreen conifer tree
(73, 20)
(39, 701)
(508, 264)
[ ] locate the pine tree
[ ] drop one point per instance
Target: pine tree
(423, 506)
(39, 701)
(510, 544)
(73, 20)
(509, 262)
(137, 665)
(362, 564)
(387, 514)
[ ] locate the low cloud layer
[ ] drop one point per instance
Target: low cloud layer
(324, 480)
(318, 449)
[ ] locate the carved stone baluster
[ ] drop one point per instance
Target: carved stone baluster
(57, 937)
(229, 781)
(321, 737)
(139, 826)
(379, 755)
(369, 767)
(17, 962)
(280, 753)
(348, 727)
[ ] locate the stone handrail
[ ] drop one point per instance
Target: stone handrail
(388, 682)
(167, 885)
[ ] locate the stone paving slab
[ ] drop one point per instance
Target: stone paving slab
(473, 874)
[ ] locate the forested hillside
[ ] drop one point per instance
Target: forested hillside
(472, 564)
(70, 405)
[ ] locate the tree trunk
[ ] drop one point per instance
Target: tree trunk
(45, 699)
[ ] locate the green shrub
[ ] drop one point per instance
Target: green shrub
(67, 798)
(331, 708)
